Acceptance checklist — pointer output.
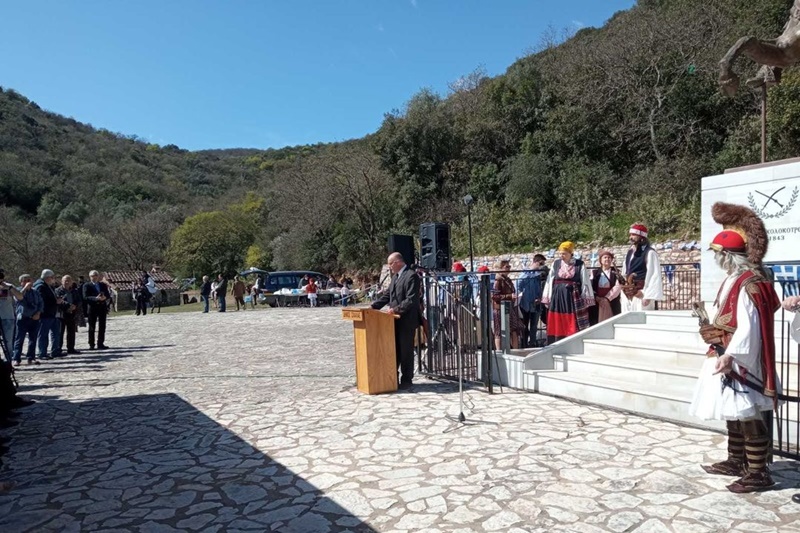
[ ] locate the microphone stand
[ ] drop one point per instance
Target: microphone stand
(461, 419)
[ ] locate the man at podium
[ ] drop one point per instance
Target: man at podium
(403, 301)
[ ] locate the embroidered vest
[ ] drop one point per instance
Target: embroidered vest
(636, 262)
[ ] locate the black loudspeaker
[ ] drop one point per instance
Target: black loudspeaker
(435, 246)
(403, 244)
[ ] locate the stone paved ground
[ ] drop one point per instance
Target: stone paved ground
(250, 422)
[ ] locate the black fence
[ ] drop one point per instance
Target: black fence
(454, 329)
(786, 436)
(681, 284)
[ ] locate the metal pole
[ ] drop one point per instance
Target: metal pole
(486, 322)
(428, 312)
(460, 365)
(505, 327)
(469, 230)
(764, 123)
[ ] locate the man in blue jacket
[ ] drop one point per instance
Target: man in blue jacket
(530, 286)
(49, 325)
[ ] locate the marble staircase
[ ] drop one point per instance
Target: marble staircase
(644, 363)
(640, 362)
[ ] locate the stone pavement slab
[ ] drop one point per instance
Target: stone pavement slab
(250, 422)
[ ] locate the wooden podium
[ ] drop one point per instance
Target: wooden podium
(376, 362)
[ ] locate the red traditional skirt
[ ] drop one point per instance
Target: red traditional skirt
(567, 314)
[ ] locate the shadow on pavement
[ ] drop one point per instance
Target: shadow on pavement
(151, 463)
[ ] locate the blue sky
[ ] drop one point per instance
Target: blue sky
(262, 73)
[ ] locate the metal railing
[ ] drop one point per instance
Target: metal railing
(786, 435)
(458, 308)
(453, 327)
(681, 283)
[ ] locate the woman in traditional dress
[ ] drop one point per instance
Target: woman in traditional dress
(567, 294)
(607, 287)
(503, 291)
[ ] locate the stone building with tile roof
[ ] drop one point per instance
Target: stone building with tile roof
(122, 282)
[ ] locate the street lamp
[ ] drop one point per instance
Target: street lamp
(468, 201)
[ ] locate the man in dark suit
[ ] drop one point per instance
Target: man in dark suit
(96, 296)
(403, 301)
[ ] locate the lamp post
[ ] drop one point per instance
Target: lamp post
(468, 201)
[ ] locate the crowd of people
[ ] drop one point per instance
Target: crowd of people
(44, 313)
(738, 382)
(570, 296)
(47, 311)
(214, 293)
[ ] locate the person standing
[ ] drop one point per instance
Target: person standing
(69, 314)
(221, 291)
(403, 301)
(238, 291)
(641, 274)
(8, 295)
(29, 312)
(96, 295)
(214, 293)
(49, 325)
(77, 300)
(152, 290)
(205, 293)
(345, 293)
(503, 291)
(254, 292)
(607, 288)
(311, 290)
(738, 382)
(567, 294)
(303, 282)
(141, 295)
(530, 287)
(257, 290)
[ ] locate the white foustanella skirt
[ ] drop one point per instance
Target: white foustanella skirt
(714, 400)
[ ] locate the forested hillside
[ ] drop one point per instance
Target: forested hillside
(575, 141)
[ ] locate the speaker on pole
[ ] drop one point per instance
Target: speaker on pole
(434, 246)
(403, 244)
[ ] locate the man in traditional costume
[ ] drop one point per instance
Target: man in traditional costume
(641, 283)
(567, 295)
(738, 382)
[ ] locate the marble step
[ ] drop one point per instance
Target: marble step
(659, 335)
(642, 373)
(685, 357)
(672, 318)
(663, 402)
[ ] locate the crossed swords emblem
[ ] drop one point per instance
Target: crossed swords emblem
(771, 198)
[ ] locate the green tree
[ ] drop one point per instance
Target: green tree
(258, 257)
(212, 242)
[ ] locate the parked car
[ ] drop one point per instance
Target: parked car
(290, 279)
